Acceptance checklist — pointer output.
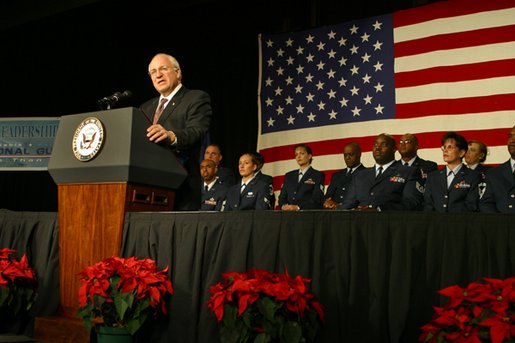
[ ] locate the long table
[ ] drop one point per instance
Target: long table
(376, 273)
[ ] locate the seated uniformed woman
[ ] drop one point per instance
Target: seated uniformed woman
(250, 193)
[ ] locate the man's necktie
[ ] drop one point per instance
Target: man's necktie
(349, 172)
(206, 188)
(406, 164)
(450, 177)
(379, 171)
(159, 110)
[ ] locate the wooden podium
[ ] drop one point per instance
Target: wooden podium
(104, 166)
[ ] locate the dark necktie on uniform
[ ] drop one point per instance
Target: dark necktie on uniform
(379, 171)
(243, 187)
(349, 172)
(300, 176)
(159, 110)
(406, 164)
(206, 188)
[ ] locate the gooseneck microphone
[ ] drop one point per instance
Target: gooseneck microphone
(109, 101)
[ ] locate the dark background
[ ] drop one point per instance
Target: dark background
(59, 57)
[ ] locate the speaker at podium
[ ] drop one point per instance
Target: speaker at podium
(105, 166)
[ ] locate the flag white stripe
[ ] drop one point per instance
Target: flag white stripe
(464, 122)
(456, 90)
(462, 23)
(460, 56)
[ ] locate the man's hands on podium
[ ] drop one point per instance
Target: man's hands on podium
(157, 133)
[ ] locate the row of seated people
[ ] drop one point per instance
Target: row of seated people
(410, 183)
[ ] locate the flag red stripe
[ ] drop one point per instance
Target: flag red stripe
(492, 137)
(455, 41)
(491, 103)
(473, 71)
(447, 9)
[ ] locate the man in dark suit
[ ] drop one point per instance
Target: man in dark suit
(213, 190)
(225, 175)
(455, 187)
(341, 179)
(408, 149)
(388, 185)
(181, 120)
(499, 195)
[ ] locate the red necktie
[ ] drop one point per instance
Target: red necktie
(159, 110)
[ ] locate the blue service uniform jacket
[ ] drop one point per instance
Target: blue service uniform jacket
(308, 193)
(340, 183)
(269, 180)
(213, 199)
(499, 195)
(425, 167)
(255, 196)
(461, 196)
(226, 176)
(397, 188)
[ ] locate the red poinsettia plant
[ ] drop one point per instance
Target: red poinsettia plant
(480, 312)
(18, 283)
(123, 292)
(261, 306)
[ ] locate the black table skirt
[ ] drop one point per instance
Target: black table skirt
(376, 273)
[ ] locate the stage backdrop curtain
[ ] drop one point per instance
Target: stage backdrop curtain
(376, 273)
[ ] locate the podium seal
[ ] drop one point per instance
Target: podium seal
(88, 139)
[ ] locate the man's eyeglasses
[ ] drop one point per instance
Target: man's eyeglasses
(405, 141)
(161, 69)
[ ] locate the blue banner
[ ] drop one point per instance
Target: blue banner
(26, 143)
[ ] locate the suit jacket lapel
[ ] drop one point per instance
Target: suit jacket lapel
(174, 102)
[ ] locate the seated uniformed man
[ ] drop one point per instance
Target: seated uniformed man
(455, 187)
(341, 179)
(499, 195)
(388, 185)
(408, 149)
(214, 152)
(213, 190)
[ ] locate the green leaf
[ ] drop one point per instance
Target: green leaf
(292, 332)
(4, 294)
(263, 338)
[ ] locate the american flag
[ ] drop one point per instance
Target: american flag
(448, 66)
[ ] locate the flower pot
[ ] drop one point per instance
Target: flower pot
(108, 334)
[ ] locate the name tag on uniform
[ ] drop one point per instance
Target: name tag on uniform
(211, 201)
(462, 184)
(309, 182)
(249, 195)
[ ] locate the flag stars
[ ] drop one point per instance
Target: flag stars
(344, 102)
(289, 42)
(342, 82)
(270, 122)
(379, 109)
(342, 41)
(280, 71)
(269, 43)
(320, 65)
(377, 25)
(290, 60)
(321, 106)
(379, 87)
(331, 35)
(310, 97)
(298, 89)
(320, 85)
(309, 78)
(278, 91)
(353, 50)
(268, 82)
(365, 37)
(300, 50)
(300, 109)
(354, 70)
(270, 62)
(288, 100)
(356, 111)
(321, 46)
(330, 74)
(279, 110)
(310, 57)
(378, 66)
(353, 30)
(311, 117)
(366, 78)
(289, 80)
(342, 61)
(331, 54)
(354, 90)
(269, 102)
(366, 57)
(280, 53)
(290, 119)
(310, 39)
(331, 94)
(332, 114)
(367, 99)
(300, 69)
(377, 45)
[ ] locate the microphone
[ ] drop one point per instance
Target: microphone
(110, 100)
